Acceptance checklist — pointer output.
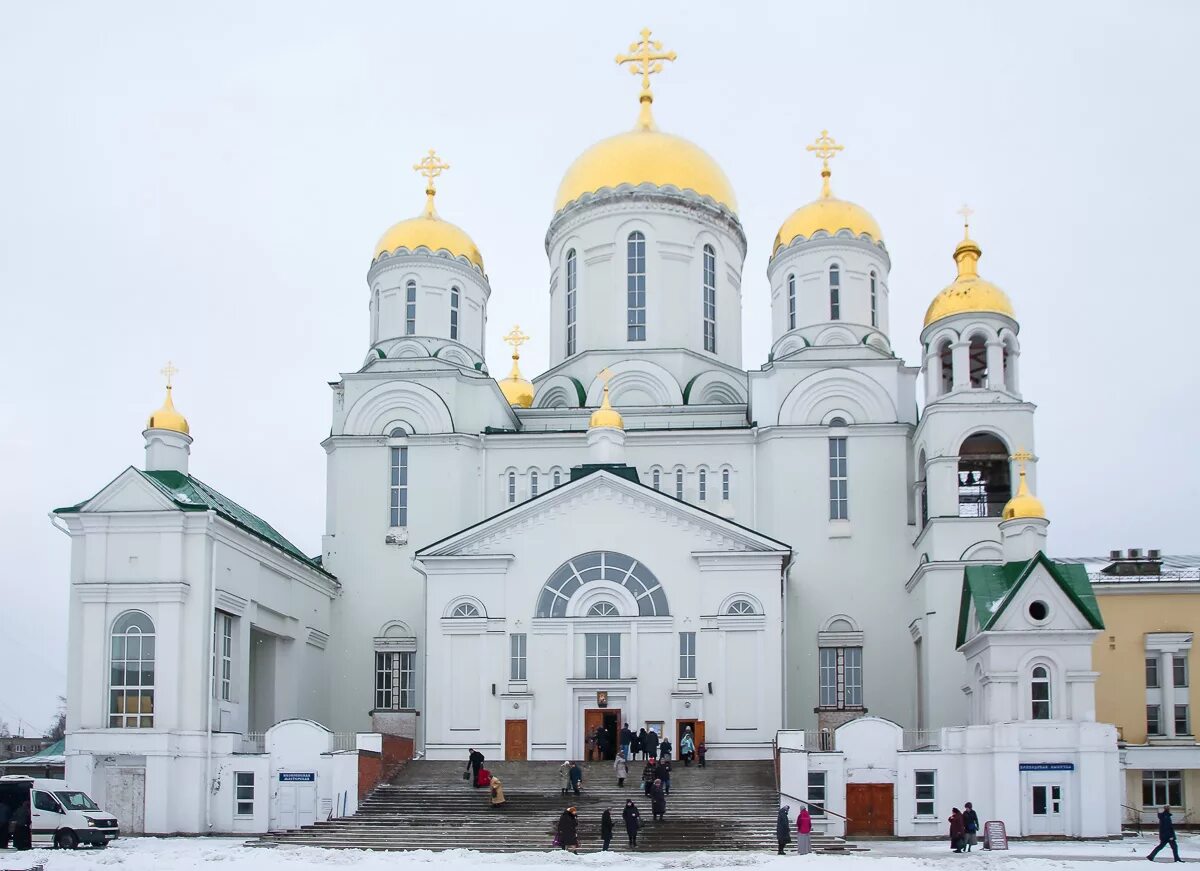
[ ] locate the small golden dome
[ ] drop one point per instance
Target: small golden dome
(517, 390)
(969, 292)
(606, 415)
(1024, 504)
(427, 230)
(168, 418)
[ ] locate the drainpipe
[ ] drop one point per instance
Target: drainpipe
(212, 652)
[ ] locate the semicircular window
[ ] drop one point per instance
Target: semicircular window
(603, 609)
(602, 565)
(740, 607)
(466, 609)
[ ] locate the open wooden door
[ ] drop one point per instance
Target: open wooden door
(516, 739)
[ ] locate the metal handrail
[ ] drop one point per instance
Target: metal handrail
(814, 804)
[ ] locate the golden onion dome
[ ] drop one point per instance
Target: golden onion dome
(1024, 504)
(428, 230)
(968, 292)
(606, 415)
(517, 390)
(168, 418)
(826, 213)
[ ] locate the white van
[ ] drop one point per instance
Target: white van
(60, 816)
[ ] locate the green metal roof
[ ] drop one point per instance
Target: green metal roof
(189, 493)
(992, 588)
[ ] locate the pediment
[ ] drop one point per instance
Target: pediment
(129, 491)
(1040, 587)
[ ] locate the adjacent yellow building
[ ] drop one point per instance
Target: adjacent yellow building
(1146, 659)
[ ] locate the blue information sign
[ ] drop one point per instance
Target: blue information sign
(297, 777)
(1047, 766)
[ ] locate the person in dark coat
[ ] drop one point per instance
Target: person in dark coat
(575, 777)
(663, 772)
(647, 777)
(970, 825)
(643, 743)
(958, 831)
(474, 763)
(783, 828)
(626, 740)
(633, 819)
(701, 752)
(652, 746)
(606, 828)
(567, 833)
(1166, 835)
(658, 801)
(664, 749)
(21, 820)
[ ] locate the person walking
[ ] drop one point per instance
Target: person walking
(474, 763)
(647, 777)
(575, 778)
(606, 829)
(700, 751)
(564, 776)
(664, 749)
(497, 792)
(652, 746)
(663, 772)
(658, 801)
(1166, 835)
(633, 820)
(566, 835)
(643, 743)
(970, 826)
(626, 740)
(687, 747)
(21, 820)
(621, 767)
(783, 828)
(957, 831)
(804, 832)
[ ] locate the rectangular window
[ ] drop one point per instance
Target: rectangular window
(816, 793)
(1153, 720)
(840, 677)
(1162, 789)
(243, 793)
(410, 309)
(710, 299)
(791, 301)
(926, 787)
(602, 655)
(636, 287)
(223, 656)
(679, 484)
(874, 303)
(1152, 672)
(533, 484)
(454, 313)
(395, 685)
(517, 659)
(839, 501)
(1182, 726)
(1179, 665)
(398, 505)
(703, 488)
(828, 677)
(835, 293)
(687, 655)
(852, 657)
(724, 485)
(572, 282)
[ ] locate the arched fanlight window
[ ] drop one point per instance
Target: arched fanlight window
(791, 301)
(710, 299)
(740, 608)
(410, 308)
(1039, 693)
(602, 565)
(603, 609)
(835, 293)
(131, 670)
(465, 609)
(635, 287)
(572, 284)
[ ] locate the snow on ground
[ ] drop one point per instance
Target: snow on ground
(222, 854)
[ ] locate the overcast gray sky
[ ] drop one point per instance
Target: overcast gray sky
(206, 182)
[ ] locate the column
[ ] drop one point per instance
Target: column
(995, 364)
(933, 375)
(1166, 680)
(960, 355)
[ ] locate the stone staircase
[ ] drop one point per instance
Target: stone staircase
(428, 806)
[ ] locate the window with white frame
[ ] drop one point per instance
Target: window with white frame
(395, 681)
(243, 793)
(1183, 724)
(687, 655)
(1179, 669)
(791, 302)
(131, 672)
(1154, 725)
(740, 608)
(926, 792)
(839, 494)
(874, 301)
(1152, 682)
(398, 499)
(816, 793)
(679, 484)
(410, 308)
(512, 488)
(702, 488)
(635, 256)
(557, 477)
(517, 656)
(1162, 789)
(222, 656)
(603, 609)
(602, 655)
(656, 479)
(533, 484)
(835, 293)
(710, 299)
(1039, 693)
(724, 485)
(840, 678)
(454, 294)
(572, 284)
(464, 610)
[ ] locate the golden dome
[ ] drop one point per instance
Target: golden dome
(427, 230)
(606, 415)
(516, 389)
(969, 292)
(1024, 504)
(168, 418)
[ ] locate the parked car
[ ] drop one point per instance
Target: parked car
(61, 816)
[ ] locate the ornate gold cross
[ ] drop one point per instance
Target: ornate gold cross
(1022, 456)
(430, 166)
(515, 340)
(169, 371)
(605, 376)
(825, 147)
(966, 212)
(645, 59)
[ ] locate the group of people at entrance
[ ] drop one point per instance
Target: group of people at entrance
(783, 830)
(566, 833)
(644, 744)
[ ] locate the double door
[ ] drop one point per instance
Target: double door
(1045, 805)
(870, 810)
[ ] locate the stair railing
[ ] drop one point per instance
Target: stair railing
(1137, 818)
(816, 804)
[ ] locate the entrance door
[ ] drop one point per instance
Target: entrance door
(516, 739)
(608, 720)
(681, 727)
(869, 810)
(1046, 809)
(125, 797)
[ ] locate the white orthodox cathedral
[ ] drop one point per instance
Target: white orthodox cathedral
(831, 552)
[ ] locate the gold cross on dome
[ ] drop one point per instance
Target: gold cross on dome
(169, 371)
(605, 376)
(966, 212)
(645, 59)
(825, 147)
(430, 166)
(515, 339)
(1022, 456)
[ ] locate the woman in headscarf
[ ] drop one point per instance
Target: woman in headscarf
(804, 832)
(567, 833)
(497, 792)
(633, 820)
(783, 828)
(958, 831)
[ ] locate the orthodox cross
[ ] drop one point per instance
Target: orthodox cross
(825, 147)
(1022, 456)
(605, 376)
(169, 371)
(645, 59)
(430, 166)
(966, 212)
(515, 340)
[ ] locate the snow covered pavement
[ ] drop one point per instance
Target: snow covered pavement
(222, 854)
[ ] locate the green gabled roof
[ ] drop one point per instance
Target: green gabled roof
(189, 493)
(992, 588)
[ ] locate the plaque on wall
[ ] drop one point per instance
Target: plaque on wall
(602, 699)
